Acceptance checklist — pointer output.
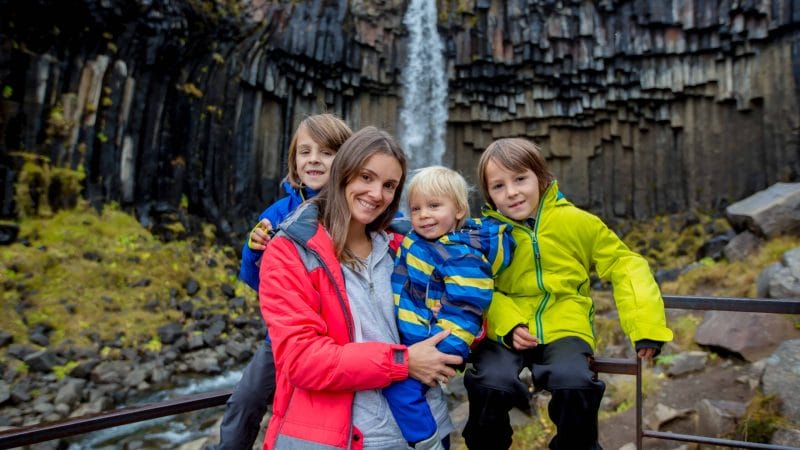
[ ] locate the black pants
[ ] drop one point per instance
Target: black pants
(247, 405)
(561, 367)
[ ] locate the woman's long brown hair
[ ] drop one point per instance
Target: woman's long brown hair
(334, 212)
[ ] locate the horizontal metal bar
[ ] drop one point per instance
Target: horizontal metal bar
(622, 366)
(764, 305)
(79, 425)
(712, 441)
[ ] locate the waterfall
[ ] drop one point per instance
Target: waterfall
(423, 116)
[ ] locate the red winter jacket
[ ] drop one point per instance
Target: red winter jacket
(319, 367)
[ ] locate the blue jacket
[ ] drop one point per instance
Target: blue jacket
(275, 213)
(455, 271)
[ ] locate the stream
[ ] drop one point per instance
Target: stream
(165, 432)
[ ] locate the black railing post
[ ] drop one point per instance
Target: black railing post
(639, 402)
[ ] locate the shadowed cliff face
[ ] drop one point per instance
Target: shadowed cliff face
(641, 107)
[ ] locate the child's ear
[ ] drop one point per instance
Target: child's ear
(461, 213)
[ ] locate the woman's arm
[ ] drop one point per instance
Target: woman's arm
(312, 353)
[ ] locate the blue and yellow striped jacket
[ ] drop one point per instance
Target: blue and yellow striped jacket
(454, 272)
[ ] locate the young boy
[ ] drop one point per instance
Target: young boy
(541, 316)
(311, 151)
(442, 280)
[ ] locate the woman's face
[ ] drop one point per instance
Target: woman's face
(373, 188)
(313, 161)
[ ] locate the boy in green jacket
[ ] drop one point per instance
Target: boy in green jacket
(541, 315)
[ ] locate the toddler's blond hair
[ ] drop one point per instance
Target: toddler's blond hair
(443, 182)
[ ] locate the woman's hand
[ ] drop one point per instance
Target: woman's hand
(427, 364)
(523, 339)
(259, 237)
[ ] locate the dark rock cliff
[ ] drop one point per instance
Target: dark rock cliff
(642, 107)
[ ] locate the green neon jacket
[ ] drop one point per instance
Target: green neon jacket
(546, 286)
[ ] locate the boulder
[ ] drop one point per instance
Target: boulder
(751, 335)
(718, 417)
(687, 362)
(770, 212)
(763, 279)
(741, 246)
(782, 378)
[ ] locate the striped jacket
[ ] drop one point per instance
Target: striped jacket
(455, 272)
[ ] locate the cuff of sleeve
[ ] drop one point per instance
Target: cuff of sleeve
(399, 367)
(508, 341)
(649, 343)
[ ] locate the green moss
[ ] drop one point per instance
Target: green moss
(62, 371)
(731, 279)
(42, 189)
(761, 419)
(78, 296)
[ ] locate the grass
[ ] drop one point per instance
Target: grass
(78, 275)
(734, 279)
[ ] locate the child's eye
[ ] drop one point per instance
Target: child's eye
(496, 186)
(415, 208)
(522, 178)
(327, 152)
(435, 205)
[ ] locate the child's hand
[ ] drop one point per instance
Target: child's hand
(259, 237)
(523, 339)
(435, 309)
(646, 353)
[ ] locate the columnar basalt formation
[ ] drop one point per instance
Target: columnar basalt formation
(641, 107)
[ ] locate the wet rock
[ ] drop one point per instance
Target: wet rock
(42, 361)
(8, 233)
(782, 378)
(785, 436)
(20, 351)
(84, 368)
(714, 247)
(663, 415)
(5, 392)
(195, 341)
(71, 392)
(742, 246)
(5, 338)
(92, 256)
(170, 332)
(751, 335)
(191, 286)
(228, 290)
(240, 351)
(773, 211)
(687, 362)
(719, 417)
(763, 279)
(144, 282)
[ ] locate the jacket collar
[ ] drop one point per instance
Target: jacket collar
(298, 194)
(303, 227)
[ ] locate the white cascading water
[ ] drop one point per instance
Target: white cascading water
(423, 117)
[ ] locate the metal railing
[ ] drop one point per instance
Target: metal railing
(79, 425)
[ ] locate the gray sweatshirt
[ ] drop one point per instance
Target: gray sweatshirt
(369, 290)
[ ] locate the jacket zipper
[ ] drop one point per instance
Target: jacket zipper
(539, 272)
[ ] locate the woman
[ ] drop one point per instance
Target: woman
(326, 296)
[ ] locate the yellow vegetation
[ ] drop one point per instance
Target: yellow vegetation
(53, 281)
